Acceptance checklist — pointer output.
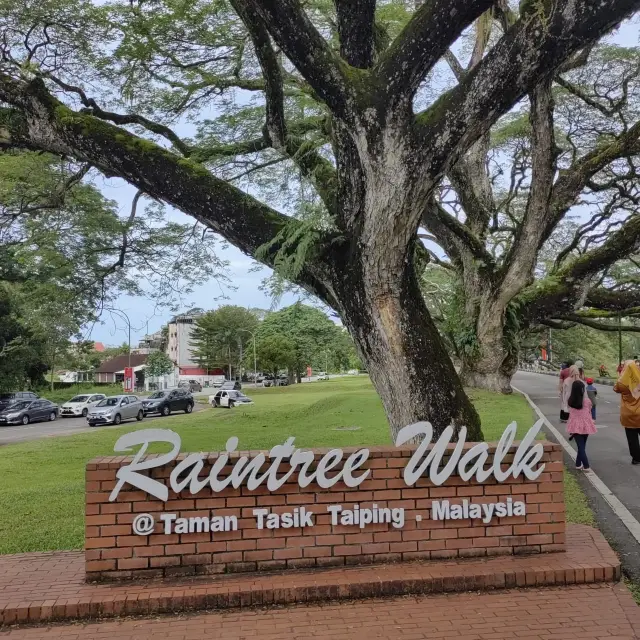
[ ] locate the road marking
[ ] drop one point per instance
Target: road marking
(612, 500)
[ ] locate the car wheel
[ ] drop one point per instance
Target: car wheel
(117, 419)
(231, 404)
(165, 411)
(85, 412)
(25, 419)
(52, 416)
(140, 415)
(92, 424)
(188, 408)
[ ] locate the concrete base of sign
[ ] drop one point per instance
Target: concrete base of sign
(42, 587)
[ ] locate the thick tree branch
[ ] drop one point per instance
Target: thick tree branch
(434, 27)
(453, 235)
(356, 30)
(601, 326)
(570, 288)
(536, 45)
(521, 258)
(40, 122)
(275, 126)
(599, 313)
(295, 34)
(614, 301)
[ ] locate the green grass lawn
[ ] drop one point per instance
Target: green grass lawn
(42, 493)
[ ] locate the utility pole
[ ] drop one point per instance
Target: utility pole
(126, 317)
(255, 361)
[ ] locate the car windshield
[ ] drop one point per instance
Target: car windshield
(79, 399)
(18, 406)
(109, 402)
(157, 394)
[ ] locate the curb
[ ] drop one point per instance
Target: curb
(609, 382)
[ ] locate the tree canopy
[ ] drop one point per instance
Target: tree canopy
(332, 114)
(220, 337)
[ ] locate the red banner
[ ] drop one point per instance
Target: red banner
(128, 379)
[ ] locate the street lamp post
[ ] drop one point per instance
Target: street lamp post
(255, 361)
(126, 317)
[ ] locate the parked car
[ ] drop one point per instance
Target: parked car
(322, 375)
(217, 381)
(26, 411)
(115, 409)
(80, 405)
(164, 402)
(282, 381)
(268, 381)
(7, 399)
(191, 385)
(229, 399)
(231, 384)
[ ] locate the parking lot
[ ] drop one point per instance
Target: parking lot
(65, 426)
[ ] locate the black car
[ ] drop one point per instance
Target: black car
(164, 402)
(26, 411)
(7, 399)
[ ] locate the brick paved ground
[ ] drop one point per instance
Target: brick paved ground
(36, 587)
(588, 612)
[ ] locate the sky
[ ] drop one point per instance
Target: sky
(142, 315)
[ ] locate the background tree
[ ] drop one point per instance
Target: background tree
(67, 254)
(220, 337)
(273, 353)
(159, 364)
(347, 99)
(310, 332)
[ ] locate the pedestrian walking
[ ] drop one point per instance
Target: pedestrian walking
(564, 374)
(592, 392)
(628, 386)
(580, 425)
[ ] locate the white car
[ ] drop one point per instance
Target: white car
(80, 405)
(229, 399)
(322, 375)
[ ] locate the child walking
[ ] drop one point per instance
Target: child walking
(580, 425)
(592, 392)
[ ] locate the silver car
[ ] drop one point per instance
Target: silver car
(115, 409)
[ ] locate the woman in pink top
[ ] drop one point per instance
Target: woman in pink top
(580, 425)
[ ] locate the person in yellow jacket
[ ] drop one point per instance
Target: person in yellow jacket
(628, 386)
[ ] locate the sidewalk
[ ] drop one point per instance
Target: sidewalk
(45, 587)
(589, 612)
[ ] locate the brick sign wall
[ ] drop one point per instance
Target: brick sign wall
(181, 546)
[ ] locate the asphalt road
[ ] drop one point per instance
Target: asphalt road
(609, 458)
(63, 427)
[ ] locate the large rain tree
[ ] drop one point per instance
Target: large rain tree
(538, 221)
(346, 96)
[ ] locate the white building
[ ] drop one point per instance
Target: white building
(179, 346)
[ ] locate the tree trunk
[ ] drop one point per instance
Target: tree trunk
(495, 361)
(404, 354)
